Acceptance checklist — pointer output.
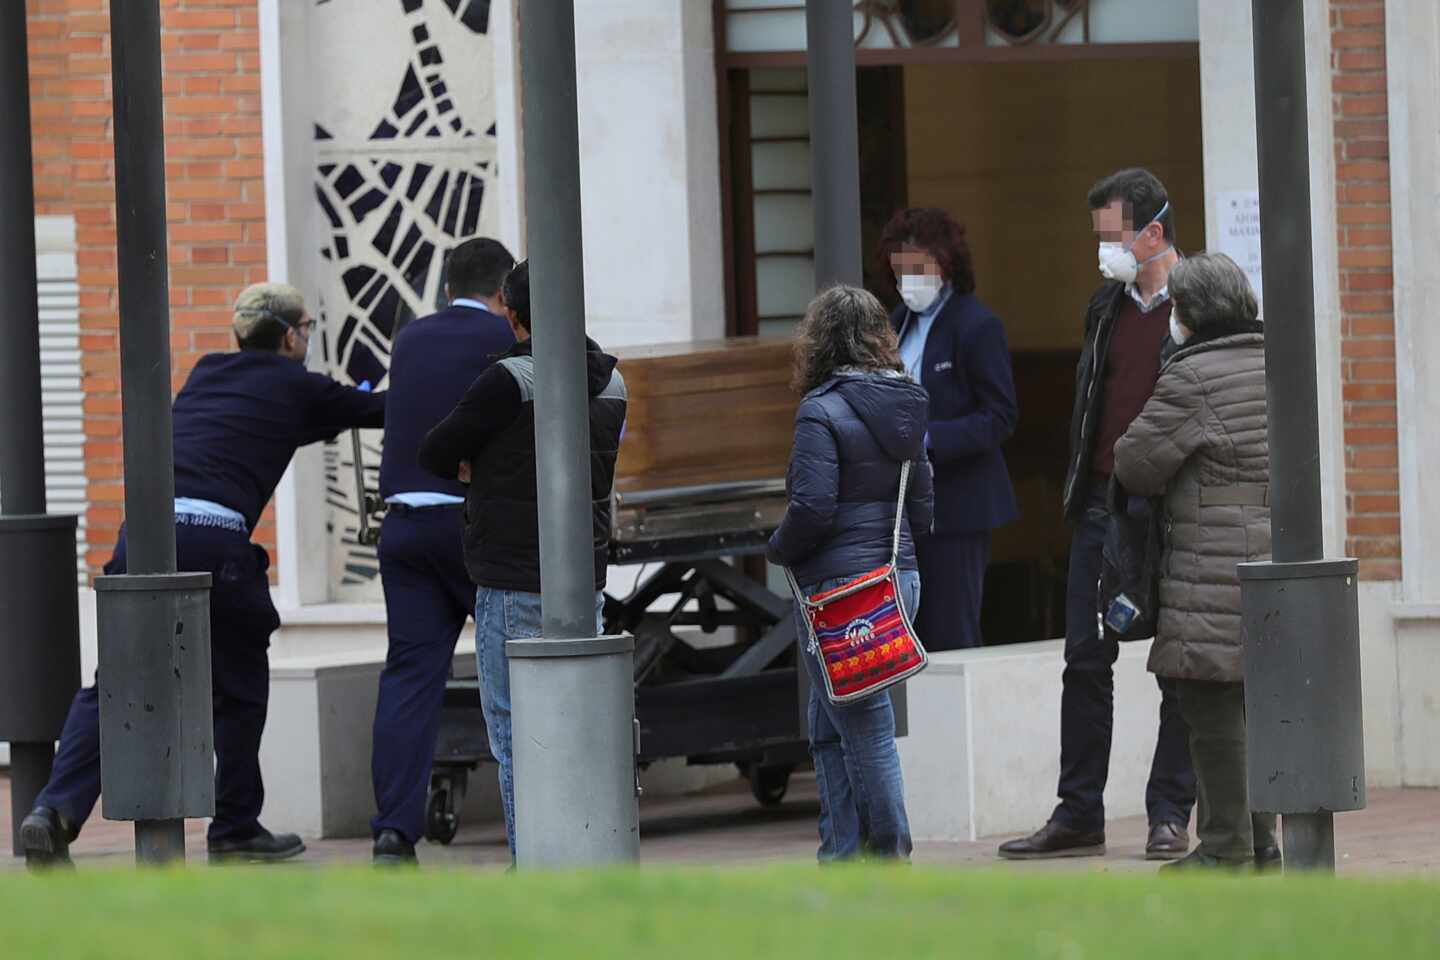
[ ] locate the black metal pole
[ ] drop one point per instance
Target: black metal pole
(22, 446)
(834, 141)
(1282, 134)
(835, 189)
(144, 324)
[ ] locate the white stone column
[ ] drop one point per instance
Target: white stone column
(509, 132)
(1413, 61)
(650, 170)
(1227, 98)
(302, 545)
(1413, 66)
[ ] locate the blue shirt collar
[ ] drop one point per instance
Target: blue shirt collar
(472, 304)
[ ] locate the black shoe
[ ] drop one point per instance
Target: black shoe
(1055, 840)
(263, 847)
(393, 850)
(45, 838)
(1268, 859)
(1168, 841)
(1198, 861)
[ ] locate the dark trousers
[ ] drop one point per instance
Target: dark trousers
(427, 599)
(242, 618)
(1087, 705)
(1215, 715)
(952, 574)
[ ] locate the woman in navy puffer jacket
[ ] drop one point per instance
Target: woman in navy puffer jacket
(861, 418)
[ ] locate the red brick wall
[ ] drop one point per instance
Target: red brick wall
(215, 196)
(1367, 303)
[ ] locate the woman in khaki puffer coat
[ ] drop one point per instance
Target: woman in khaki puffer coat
(1201, 442)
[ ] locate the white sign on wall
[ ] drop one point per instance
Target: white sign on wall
(1238, 213)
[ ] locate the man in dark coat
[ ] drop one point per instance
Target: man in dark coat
(428, 596)
(1126, 328)
(488, 441)
(237, 422)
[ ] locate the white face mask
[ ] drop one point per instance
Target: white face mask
(1117, 261)
(1178, 331)
(919, 290)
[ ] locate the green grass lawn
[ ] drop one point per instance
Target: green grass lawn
(795, 912)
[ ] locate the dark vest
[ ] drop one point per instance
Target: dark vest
(502, 526)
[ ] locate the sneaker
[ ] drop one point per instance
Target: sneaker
(263, 847)
(1055, 840)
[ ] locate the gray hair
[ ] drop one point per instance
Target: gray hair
(1213, 294)
(274, 305)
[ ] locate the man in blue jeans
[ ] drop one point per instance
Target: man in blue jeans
(488, 442)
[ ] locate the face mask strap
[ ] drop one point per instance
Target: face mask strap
(1154, 219)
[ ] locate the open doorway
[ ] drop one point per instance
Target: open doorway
(1009, 148)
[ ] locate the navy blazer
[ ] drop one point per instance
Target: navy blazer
(434, 361)
(966, 370)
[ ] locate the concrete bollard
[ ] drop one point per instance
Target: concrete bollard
(1304, 729)
(156, 721)
(39, 648)
(573, 714)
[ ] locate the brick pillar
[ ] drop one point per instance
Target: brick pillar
(1367, 305)
(215, 192)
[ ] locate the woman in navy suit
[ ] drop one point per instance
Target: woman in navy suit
(955, 347)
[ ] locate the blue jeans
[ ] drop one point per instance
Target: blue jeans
(501, 616)
(857, 768)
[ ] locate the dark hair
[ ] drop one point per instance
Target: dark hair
(1214, 296)
(843, 327)
(515, 291)
(1143, 195)
(938, 234)
(477, 267)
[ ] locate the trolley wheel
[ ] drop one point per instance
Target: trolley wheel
(769, 784)
(442, 807)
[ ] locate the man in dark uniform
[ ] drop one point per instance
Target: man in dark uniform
(237, 422)
(422, 563)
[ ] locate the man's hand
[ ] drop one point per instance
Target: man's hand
(464, 475)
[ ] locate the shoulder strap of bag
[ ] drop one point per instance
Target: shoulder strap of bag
(900, 512)
(894, 543)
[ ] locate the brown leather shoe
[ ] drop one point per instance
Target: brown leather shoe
(1168, 841)
(1055, 840)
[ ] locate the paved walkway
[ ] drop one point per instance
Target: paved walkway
(1399, 833)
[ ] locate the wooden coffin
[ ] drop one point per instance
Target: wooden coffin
(706, 412)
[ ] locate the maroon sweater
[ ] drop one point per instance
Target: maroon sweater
(1132, 365)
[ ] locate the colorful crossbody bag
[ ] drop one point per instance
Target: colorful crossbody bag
(860, 630)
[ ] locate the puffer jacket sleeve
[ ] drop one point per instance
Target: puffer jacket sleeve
(814, 485)
(920, 498)
(1167, 432)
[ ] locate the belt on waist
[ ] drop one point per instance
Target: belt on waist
(209, 520)
(1238, 495)
(406, 508)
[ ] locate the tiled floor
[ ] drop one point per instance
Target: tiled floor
(1399, 832)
